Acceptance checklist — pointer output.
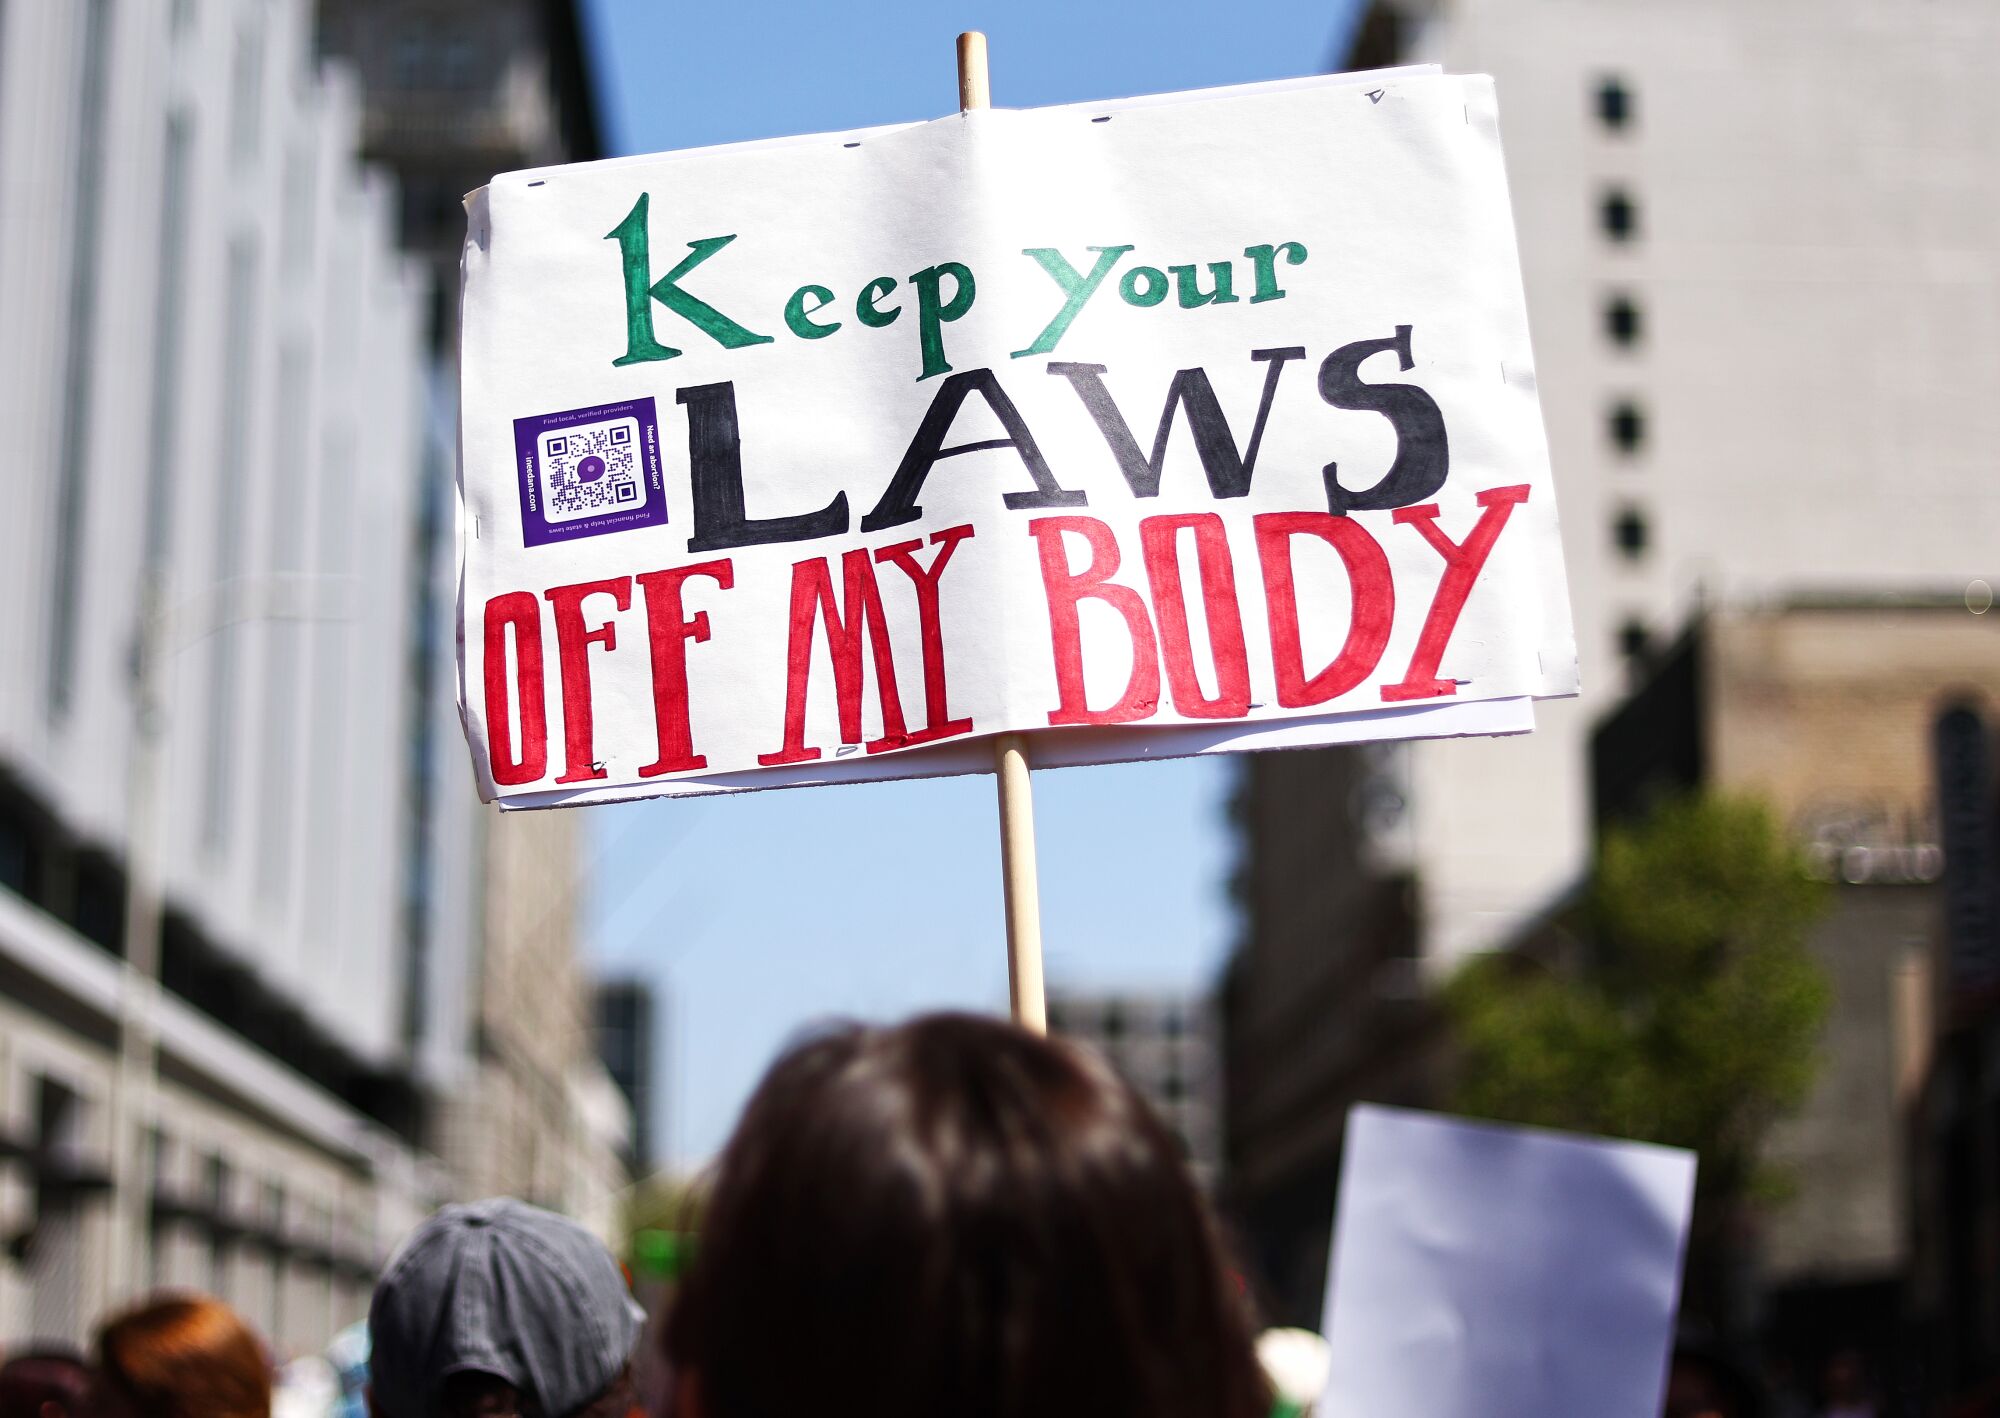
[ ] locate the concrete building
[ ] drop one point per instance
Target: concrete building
(212, 382)
(1766, 329)
(1765, 321)
(1320, 1005)
(1164, 1046)
(534, 1118)
(454, 91)
(458, 90)
(1833, 712)
(628, 1044)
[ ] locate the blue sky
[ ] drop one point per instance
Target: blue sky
(755, 915)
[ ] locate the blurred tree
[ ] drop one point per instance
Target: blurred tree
(1692, 1014)
(662, 1218)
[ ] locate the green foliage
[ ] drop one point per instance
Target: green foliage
(1694, 1019)
(662, 1217)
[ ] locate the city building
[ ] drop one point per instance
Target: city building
(1320, 1005)
(1715, 237)
(1164, 1046)
(458, 90)
(627, 1042)
(216, 1043)
(454, 91)
(1764, 345)
(514, 1126)
(1839, 714)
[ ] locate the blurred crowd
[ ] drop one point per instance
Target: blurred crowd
(952, 1216)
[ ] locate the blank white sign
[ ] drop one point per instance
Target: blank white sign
(1481, 1271)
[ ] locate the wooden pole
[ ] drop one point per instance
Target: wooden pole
(973, 90)
(1024, 897)
(1010, 751)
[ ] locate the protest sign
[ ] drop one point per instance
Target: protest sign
(1481, 1271)
(1166, 426)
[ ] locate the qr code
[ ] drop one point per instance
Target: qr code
(590, 469)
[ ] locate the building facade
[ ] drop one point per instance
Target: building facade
(1841, 715)
(1320, 1004)
(1766, 323)
(454, 91)
(1164, 1045)
(213, 385)
(628, 1025)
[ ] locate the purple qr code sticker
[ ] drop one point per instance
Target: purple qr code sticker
(585, 472)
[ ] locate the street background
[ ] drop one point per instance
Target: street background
(270, 992)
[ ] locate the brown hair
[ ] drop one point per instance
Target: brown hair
(40, 1377)
(185, 1356)
(957, 1217)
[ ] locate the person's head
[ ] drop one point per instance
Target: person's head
(957, 1217)
(498, 1309)
(471, 1394)
(1704, 1381)
(1846, 1378)
(181, 1356)
(44, 1383)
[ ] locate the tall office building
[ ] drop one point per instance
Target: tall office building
(1762, 298)
(454, 91)
(1870, 728)
(212, 385)
(1164, 1046)
(628, 1043)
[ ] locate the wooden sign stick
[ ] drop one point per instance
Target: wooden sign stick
(1010, 751)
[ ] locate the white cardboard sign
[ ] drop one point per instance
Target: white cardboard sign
(1481, 1271)
(1162, 427)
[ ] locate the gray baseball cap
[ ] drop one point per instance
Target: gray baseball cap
(503, 1288)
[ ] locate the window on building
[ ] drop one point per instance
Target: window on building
(274, 1258)
(1623, 323)
(1635, 641)
(51, 1252)
(1616, 107)
(457, 63)
(1626, 423)
(157, 1166)
(97, 900)
(1112, 1025)
(218, 1186)
(1630, 533)
(21, 847)
(1618, 214)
